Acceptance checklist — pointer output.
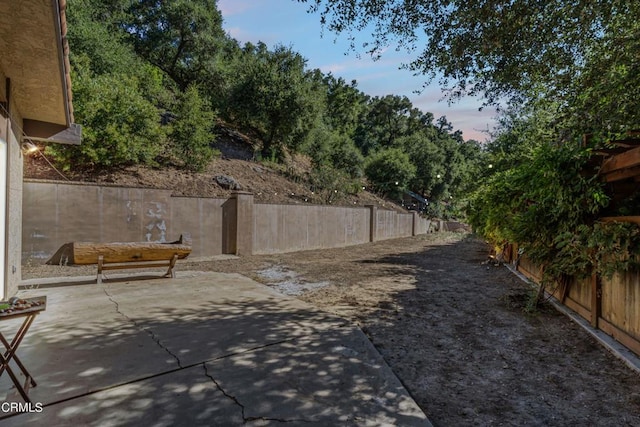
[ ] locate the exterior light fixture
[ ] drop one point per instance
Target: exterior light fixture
(29, 148)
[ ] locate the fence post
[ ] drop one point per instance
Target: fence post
(373, 222)
(596, 300)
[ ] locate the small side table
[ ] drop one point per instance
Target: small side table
(35, 306)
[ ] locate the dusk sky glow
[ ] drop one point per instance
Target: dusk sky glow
(287, 22)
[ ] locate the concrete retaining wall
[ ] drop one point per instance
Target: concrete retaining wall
(54, 214)
(57, 213)
(393, 225)
(289, 228)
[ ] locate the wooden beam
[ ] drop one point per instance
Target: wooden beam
(633, 219)
(621, 161)
(620, 174)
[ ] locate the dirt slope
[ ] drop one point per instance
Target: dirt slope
(283, 184)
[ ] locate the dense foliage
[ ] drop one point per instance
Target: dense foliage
(496, 48)
(152, 80)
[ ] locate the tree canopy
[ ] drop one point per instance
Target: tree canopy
(495, 48)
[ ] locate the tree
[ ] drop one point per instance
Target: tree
(276, 97)
(548, 205)
(605, 98)
(345, 104)
(429, 161)
(495, 48)
(191, 130)
(116, 93)
(385, 120)
(182, 37)
(328, 148)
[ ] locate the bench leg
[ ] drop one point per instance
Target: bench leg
(172, 263)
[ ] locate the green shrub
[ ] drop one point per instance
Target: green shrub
(191, 134)
(120, 126)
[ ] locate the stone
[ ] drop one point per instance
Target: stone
(227, 182)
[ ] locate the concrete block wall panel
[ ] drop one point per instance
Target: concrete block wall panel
(61, 213)
(385, 224)
(295, 228)
(288, 228)
(78, 214)
(335, 226)
(156, 211)
(55, 214)
(121, 215)
(315, 232)
(266, 228)
(356, 225)
(202, 219)
(40, 227)
(423, 226)
(392, 225)
(405, 225)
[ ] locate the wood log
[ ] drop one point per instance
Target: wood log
(86, 253)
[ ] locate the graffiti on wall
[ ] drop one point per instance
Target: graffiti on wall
(155, 225)
(132, 211)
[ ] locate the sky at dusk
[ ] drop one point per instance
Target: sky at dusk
(287, 22)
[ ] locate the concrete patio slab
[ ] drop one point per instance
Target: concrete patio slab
(201, 349)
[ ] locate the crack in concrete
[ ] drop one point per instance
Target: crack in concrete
(147, 330)
(245, 419)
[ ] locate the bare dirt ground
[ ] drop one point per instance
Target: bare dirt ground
(452, 328)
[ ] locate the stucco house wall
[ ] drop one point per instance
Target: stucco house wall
(14, 213)
(35, 105)
(12, 180)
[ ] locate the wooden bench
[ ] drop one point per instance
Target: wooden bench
(123, 255)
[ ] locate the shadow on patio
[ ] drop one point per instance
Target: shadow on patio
(204, 349)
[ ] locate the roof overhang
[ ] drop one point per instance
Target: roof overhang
(34, 64)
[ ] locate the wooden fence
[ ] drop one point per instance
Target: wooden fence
(611, 305)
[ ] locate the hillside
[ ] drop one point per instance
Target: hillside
(270, 183)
